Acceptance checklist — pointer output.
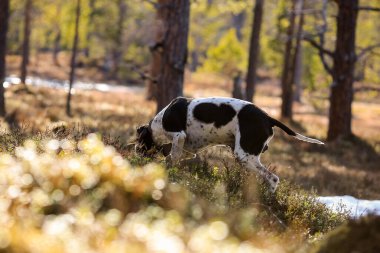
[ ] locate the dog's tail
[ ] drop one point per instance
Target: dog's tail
(292, 133)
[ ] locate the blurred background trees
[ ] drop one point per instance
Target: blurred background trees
(26, 40)
(254, 49)
(4, 14)
(137, 42)
(73, 57)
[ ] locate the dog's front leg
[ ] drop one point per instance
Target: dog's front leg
(177, 147)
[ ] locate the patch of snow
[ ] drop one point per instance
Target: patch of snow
(356, 207)
(58, 84)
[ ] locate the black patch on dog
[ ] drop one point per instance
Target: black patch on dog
(144, 139)
(175, 116)
(212, 113)
(255, 128)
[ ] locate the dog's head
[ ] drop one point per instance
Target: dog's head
(144, 140)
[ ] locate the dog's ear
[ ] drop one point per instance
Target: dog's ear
(144, 140)
(140, 129)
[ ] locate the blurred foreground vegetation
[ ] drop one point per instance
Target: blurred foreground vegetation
(63, 190)
(68, 196)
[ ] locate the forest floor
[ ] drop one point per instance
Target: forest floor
(348, 167)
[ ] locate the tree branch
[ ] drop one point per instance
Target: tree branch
(319, 46)
(368, 8)
(153, 3)
(366, 50)
(158, 5)
(304, 11)
(135, 68)
(367, 88)
(322, 52)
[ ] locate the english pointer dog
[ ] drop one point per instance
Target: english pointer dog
(192, 124)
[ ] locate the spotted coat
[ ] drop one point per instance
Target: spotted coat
(192, 124)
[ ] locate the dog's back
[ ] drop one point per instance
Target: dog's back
(212, 121)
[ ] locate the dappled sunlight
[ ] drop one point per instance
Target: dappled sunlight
(105, 147)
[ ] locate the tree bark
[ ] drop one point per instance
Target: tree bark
(119, 48)
(4, 15)
(90, 33)
(156, 50)
(57, 47)
(238, 21)
(73, 58)
(254, 49)
(194, 60)
(170, 49)
(26, 41)
(237, 86)
(341, 96)
(287, 76)
(298, 55)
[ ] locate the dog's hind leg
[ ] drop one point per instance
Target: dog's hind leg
(270, 177)
(252, 162)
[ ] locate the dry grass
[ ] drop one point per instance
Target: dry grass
(219, 187)
(348, 167)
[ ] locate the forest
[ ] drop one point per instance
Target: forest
(80, 77)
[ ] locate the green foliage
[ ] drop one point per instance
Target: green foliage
(227, 56)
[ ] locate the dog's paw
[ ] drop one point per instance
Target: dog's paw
(273, 183)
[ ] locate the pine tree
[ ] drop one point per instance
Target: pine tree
(4, 15)
(73, 57)
(170, 49)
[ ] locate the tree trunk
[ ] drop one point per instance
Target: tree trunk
(90, 33)
(73, 58)
(194, 60)
(298, 55)
(26, 41)
(156, 50)
(238, 24)
(254, 49)
(237, 86)
(57, 47)
(341, 96)
(4, 15)
(170, 49)
(118, 50)
(287, 76)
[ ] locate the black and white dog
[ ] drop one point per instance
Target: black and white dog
(191, 124)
